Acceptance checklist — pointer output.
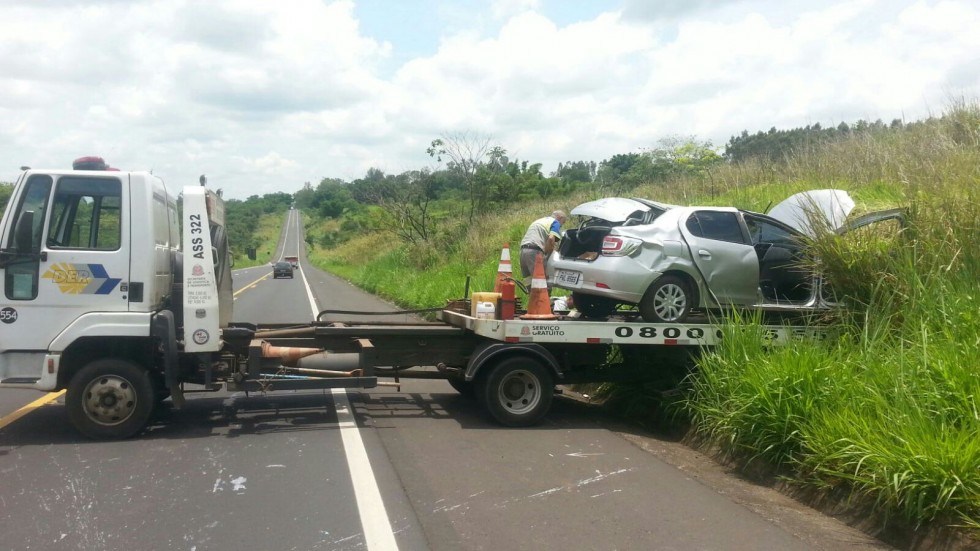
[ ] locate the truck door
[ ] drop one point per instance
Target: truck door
(79, 257)
(722, 252)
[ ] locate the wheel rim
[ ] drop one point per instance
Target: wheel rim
(519, 392)
(109, 400)
(670, 302)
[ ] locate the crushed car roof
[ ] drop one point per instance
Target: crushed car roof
(808, 212)
(616, 209)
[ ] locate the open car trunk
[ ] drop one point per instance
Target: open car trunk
(583, 243)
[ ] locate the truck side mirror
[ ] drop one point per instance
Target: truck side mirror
(24, 233)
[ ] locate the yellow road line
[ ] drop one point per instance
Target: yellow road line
(43, 400)
(250, 285)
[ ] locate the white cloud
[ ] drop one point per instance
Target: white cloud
(263, 97)
(505, 8)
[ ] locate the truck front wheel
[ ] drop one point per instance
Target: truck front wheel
(110, 399)
(517, 392)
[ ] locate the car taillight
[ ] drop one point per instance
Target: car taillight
(614, 245)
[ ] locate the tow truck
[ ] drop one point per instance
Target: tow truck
(122, 297)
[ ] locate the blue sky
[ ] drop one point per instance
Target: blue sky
(265, 96)
(415, 27)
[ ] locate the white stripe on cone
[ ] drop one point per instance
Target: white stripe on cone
(504, 266)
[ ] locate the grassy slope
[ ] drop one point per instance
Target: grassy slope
(890, 409)
(269, 228)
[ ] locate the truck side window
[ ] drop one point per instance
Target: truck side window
(85, 214)
(20, 277)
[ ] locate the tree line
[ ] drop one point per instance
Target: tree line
(473, 174)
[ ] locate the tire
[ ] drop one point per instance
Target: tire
(592, 306)
(466, 388)
(110, 399)
(517, 392)
(668, 300)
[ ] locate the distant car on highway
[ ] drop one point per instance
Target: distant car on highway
(282, 269)
(669, 260)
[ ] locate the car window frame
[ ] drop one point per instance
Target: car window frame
(744, 238)
(795, 237)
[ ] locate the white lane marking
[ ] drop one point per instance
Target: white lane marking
(378, 534)
(285, 237)
(309, 293)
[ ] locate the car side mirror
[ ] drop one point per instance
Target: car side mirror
(24, 233)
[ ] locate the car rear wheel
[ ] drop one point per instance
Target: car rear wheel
(592, 306)
(668, 300)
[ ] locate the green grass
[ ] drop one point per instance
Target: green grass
(889, 411)
(267, 234)
(895, 420)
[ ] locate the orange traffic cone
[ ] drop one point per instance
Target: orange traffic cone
(289, 355)
(538, 304)
(503, 269)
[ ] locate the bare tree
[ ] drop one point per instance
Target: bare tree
(405, 199)
(464, 153)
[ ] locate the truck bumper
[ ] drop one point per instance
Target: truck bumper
(39, 372)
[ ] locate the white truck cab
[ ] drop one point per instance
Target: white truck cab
(90, 258)
(75, 264)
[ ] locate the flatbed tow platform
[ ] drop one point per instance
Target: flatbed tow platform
(511, 366)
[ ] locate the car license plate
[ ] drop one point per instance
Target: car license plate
(570, 279)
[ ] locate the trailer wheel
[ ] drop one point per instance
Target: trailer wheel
(517, 392)
(110, 399)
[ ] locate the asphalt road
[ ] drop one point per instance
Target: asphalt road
(419, 468)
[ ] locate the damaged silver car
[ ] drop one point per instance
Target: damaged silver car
(670, 260)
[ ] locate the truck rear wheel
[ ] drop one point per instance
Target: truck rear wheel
(517, 392)
(110, 399)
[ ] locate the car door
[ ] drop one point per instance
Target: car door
(783, 270)
(79, 257)
(723, 255)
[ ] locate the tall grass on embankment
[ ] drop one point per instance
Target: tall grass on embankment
(889, 411)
